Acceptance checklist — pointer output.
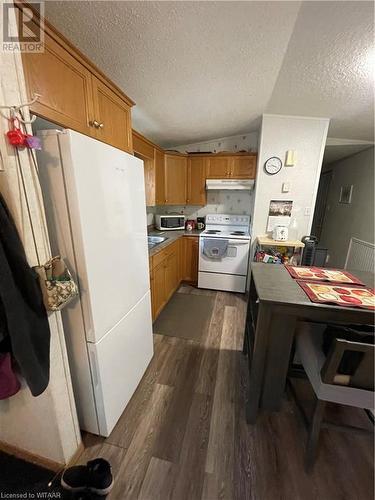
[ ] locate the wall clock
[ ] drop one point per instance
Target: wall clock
(273, 165)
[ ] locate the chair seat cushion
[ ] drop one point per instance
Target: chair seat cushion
(309, 348)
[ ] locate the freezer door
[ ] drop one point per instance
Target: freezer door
(118, 363)
(106, 198)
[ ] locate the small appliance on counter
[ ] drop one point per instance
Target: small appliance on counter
(172, 222)
(190, 225)
(201, 223)
(280, 233)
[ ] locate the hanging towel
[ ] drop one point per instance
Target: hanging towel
(215, 248)
(21, 307)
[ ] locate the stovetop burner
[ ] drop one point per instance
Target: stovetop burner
(238, 233)
(212, 231)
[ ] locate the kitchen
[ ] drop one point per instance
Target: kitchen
(226, 186)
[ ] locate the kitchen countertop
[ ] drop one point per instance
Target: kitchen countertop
(171, 237)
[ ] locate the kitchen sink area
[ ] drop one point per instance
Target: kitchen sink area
(153, 241)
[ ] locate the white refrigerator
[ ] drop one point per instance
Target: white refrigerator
(94, 197)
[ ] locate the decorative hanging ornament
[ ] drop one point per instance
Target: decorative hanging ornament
(33, 142)
(18, 139)
(15, 135)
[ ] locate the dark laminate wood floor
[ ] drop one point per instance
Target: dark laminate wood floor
(184, 434)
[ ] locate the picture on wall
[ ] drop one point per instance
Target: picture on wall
(346, 194)
(279, 213)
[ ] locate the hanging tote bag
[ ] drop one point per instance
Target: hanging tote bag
(57, 284)
(9, 383)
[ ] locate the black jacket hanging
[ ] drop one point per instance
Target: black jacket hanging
(22, 311)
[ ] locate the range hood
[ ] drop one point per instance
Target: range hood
(230, 184)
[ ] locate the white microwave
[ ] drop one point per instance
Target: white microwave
(170, 222)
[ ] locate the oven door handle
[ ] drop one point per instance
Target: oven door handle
(237, 242)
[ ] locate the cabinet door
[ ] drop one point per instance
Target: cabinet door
(190, 259)
(149, 171)
(142, 147)
(159, 177)
(64, 86)
(172, 273)
(175, 180)
(113, 116)
(196, 181)
(158, 289)
(218, 167)
(243, 167)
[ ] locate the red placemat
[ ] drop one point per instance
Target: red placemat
(342, 295)
(323, 274)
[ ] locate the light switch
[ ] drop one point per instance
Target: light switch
(285, 187)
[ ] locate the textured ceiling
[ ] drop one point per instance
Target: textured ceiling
(200, 70)
(327, 70)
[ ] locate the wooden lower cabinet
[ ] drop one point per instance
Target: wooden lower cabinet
(165, 276)
(158, 295)
(172, 272)
(178, 262)
(190, 259)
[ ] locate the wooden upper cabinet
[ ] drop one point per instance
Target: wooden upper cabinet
(74, 93)
(159, 177)
(112, 115)
(218, 167)
(64, 86)
(175, 179)
(142, 147)
(196, 181)
(243, 167)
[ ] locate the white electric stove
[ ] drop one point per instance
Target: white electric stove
(229, 271)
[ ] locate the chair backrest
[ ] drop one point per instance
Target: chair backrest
(363, 376)
(360, 256)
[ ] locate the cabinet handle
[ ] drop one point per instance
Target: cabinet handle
(165, 201)
(187, 201)
(94, 123)
(101, 125)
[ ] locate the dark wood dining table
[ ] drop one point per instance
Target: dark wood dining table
(276, 304)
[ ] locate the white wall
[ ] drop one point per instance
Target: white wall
(279, 133)
(244, 142)
(342, 221)
(47, 425)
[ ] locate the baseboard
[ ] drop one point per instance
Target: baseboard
(37, 459)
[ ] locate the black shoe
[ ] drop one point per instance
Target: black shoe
(96, 476)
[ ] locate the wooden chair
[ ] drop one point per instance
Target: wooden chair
(356, 390)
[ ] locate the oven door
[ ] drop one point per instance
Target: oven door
(235, 261)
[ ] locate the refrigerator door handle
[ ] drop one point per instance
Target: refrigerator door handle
(94, 368)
